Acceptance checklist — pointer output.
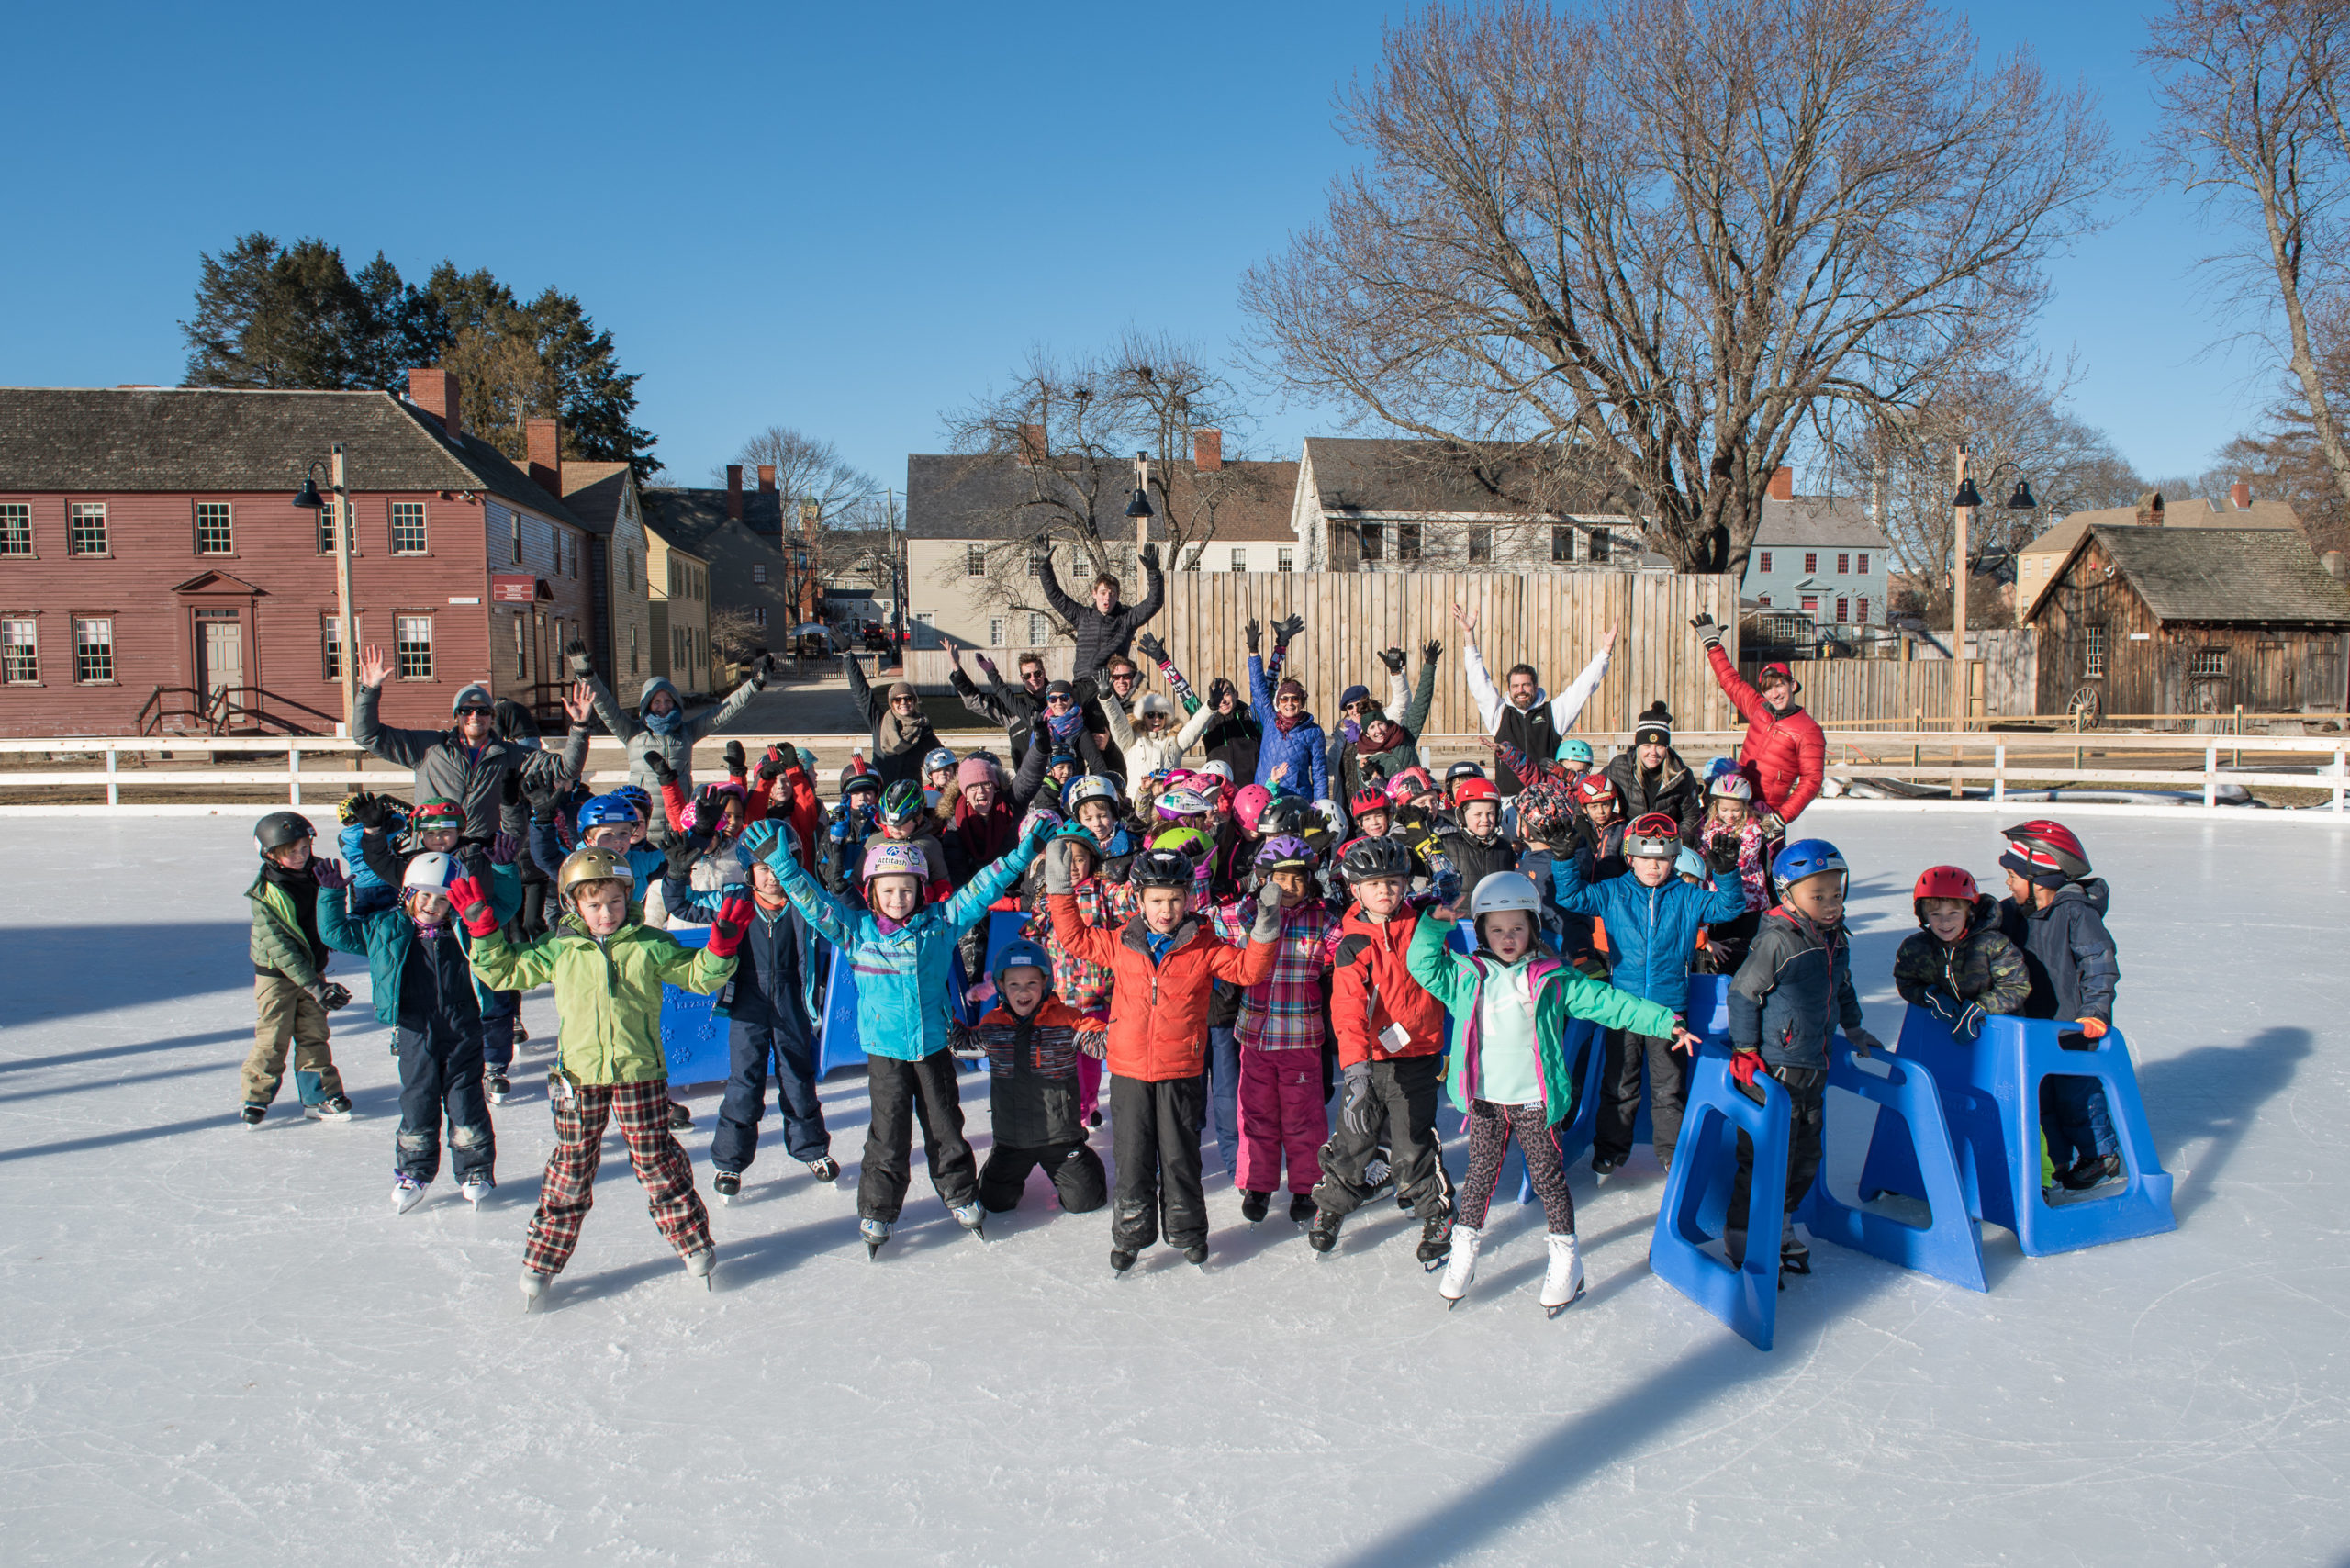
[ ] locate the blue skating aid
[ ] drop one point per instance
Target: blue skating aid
(1949, 1246)
(1979, 1138)
(693, 1039)
(1697, 1198)
(837, 1041)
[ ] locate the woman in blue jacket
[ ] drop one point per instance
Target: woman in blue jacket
(1295, 747)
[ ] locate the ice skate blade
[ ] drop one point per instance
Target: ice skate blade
(1555, 1311)
(872, 1250)
(1451, 1301)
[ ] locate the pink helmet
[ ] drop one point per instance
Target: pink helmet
(690, 818)
(1412, 782)
(1249, 805)
(896, 860)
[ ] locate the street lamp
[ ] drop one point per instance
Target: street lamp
(346, 629)
(1963, 505)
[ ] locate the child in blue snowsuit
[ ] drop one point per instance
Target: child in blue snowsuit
(1652, 918)
(369, 893)
(901, 955)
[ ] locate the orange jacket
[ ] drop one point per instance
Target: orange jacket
(1371, 987)
(1159, 1012)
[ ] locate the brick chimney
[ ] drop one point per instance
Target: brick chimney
(1032, 444)
(2240, 495)
(2150, 509)
(735, 491)
(1783, 484)
(435, 392)
(1207, 450)
(766, 478)
(545, 440)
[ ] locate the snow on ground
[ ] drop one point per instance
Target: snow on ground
(223, 1346)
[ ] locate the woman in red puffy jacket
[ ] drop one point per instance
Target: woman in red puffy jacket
(1783, 752)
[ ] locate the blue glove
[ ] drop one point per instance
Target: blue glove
(1945, 1006)
(759, 838)
(1969, 1026)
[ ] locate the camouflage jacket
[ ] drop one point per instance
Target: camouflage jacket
(1984, 968)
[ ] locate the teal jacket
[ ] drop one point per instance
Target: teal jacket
(1561, 991)
(386, 937)
(903, 975)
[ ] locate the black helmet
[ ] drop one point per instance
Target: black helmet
(1160, 869)
(1367, 860)
(1460, 771)
(279, 829)
(1283, 813)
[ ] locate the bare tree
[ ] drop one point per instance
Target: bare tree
(2251, 93)
(1068, 433)
(809, 471)
(1669, 233)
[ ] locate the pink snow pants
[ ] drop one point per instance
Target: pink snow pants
(1280, 1110)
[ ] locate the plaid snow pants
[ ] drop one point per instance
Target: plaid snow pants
(568, 1189)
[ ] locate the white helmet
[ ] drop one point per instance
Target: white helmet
(1332, 818)
(1151, 705)
(432, 872)
(1505, 890)
(1219, 768)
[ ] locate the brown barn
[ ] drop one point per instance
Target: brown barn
(155, 575)
(2187, 621)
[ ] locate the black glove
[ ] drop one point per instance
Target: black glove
(1153, 649)
(1722, 853)
(708, 809)
(509, 789)
(1393, 659)
(581, 664)
(1707, 629)
(681, 852)
(1285, 632)
(1150, 557)
(373, 813)
(771, 766)
(736, 763)
(1429, 651)
(761, 671)
(1254, 632)
(545, 797)
(329, 996)
(1040, 732)
(658, 766)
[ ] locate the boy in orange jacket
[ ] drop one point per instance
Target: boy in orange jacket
(1166, 965)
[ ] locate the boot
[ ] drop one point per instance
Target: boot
(1435, 1240)
(1301, 1208)
(1562, 1284)
(1463, 1266)
(1325, 1234)
(1253, 1204)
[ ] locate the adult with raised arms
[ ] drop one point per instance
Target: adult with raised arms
(1519, 711)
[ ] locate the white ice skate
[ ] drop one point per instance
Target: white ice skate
(875, 1232)
(1562, 1283)
(534, 1289)
(475, 1190)
(973, 1218)
(1461, 1267)
(407, 1192)
(699, 1263)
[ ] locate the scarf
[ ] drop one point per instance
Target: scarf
(1285, 722)
(669, 723)
(985, 835)
(1064, 726)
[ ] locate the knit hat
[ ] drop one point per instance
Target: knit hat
(1290, 687)
(901, 688)
(1655, 725)
(1061, 689)
(474, 696)
(1352, 695)
(973, 770)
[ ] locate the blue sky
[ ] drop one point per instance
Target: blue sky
(842, 218)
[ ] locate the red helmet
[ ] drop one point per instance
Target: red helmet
(1943, 882)
(1470, 790)
(1595, 787)
(2059, 843)
(1370, 798)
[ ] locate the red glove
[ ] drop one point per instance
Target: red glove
(1744, 1066)
(2094, 1028)
(472, 906)
(726, 931)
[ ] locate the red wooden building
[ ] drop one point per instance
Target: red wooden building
(156, 575)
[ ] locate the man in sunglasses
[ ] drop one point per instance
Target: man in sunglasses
(468, 762)
(1017, 708)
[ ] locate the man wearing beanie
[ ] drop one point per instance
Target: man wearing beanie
(1651, 776)
(901, 735)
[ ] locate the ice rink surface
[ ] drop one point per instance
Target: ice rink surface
(223, 1346)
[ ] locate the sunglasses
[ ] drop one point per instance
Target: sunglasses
(473, 712)
(1061, 701)
(905, 702)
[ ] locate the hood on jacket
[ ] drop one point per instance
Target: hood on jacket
(668, 723)
(2090, 890)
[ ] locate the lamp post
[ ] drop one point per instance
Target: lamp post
(346, 631)
(1138, 510)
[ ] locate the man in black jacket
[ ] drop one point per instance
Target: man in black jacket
(1104, 627)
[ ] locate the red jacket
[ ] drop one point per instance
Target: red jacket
(1370, 988)
(1783, 754)
(1158, 1013)
(805, 813)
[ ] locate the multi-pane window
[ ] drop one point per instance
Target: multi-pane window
(1764, 601)
(1039, 557)
(16, 527)
(1374, 542)
(2093, 654)
(1864, 566)
(93, 650)
(1811, 601)
(1844, 609)
(20, 651)
(995, 631)
(1281, 561)
(1766, 561)
(2211, 664)
(1192, 555)
(975, 561)
(330, 642)
(213, 536)
(759, 574)
(413, 638)
(514, 535)
(1864, 616)
(1239, 557)
(85, 528)
(759, 616)
(326, 527)
(1037, 629)
(1562, 544)
(1407, 541)
(1602, 545)
(407, 528)
(1810, 562)
(1843, 563)
(1480, 544)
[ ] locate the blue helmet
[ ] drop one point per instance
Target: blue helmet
(637, 799)
(1021, 952)
(1575, 749)
(605, 810)
(1806, 858)
(1687, 864)
(941, 757)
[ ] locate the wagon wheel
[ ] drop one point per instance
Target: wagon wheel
(2085, 709)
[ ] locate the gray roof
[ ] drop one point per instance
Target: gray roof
(1810, 523)
(702, 512)
(993, 496)
(181, 440)
(593, 491)
(2219, 574)
(1354, 474)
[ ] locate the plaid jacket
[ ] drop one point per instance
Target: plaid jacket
(1284, 1013)
(1083, 984)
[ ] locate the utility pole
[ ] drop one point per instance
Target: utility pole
(1963, 511)
(346, 628)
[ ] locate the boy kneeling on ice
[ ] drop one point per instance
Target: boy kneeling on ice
(608, 969)
(1510, 1002)
(1166, 965)
(902, 951)
(1032, 1041)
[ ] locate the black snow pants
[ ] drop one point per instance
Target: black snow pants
(1158, 1151)
(1076, 1171)
(1405, 1089)
(902, 1090)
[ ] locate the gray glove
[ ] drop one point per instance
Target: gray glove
(1355, 1110)
(1268, 914)
(1862, 1041)
(581, 664)
(1094, 1043)
(1057, 879)
(1709, 631)
(329, 995)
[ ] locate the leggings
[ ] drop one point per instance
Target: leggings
(1489, 1129)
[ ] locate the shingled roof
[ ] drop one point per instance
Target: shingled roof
(990, 496)
(1812, 522)
(2218, 576)
(201, 441)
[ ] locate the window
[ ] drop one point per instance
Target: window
(412, 637)
(1562, 544)
(20, 651)
(1374, 543)
(407, 528)
(975, 561)
(521, 644)
(1480, 544)
(1239, 557)
(995, 631)
(759, 616)
(1764, 601)
(16, 527)
(330, 642)
(1862, 616)
(628, 568)
(94, 651)
(1811, 602)
(213, 536)
(1407, 541)
(1863, 569)
(1281, 562)
(2093, 654)
(514, 535)
(1843, 610)
(1192, 555)
(1040, 557)
(1843, 563)
(1038, 630)
(1602, 545)
(759, 574)
(1766, 561)
(632, 666)
(1810, 562)
(2211, 664)
(326, 527)
(85, 528)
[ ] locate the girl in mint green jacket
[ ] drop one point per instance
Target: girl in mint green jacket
(1509, 1003)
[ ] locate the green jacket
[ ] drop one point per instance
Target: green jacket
(1562, 991)
(386, 937)
(607, 994)
(278, 943)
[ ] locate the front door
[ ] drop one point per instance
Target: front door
(220, 648)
